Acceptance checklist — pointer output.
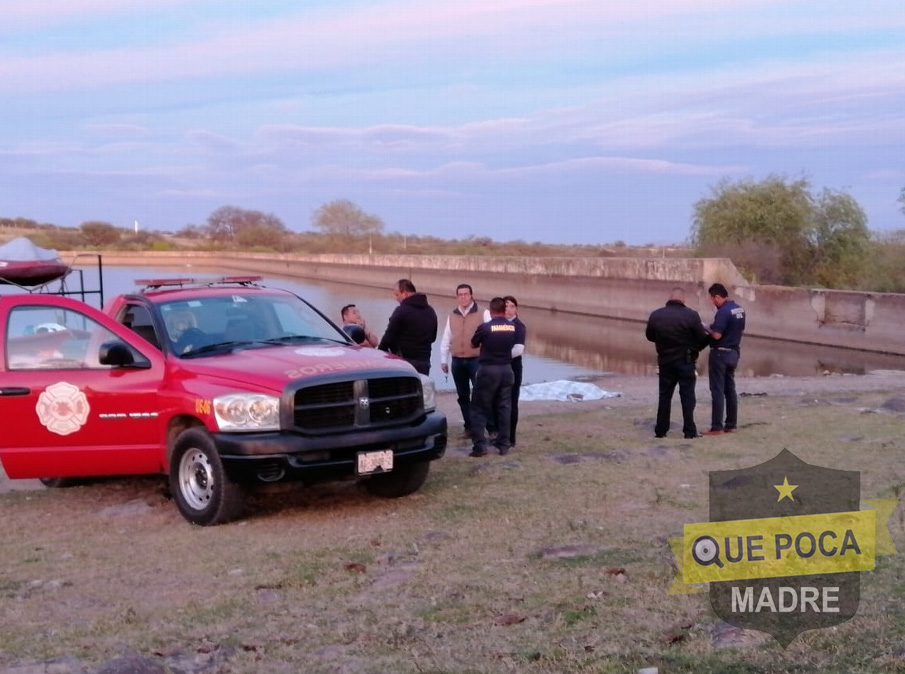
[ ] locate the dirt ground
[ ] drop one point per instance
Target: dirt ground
(554, 558)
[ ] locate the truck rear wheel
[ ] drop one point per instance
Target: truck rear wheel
(200, 486)
(401, 481)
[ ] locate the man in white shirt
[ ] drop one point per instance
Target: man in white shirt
(457, 355)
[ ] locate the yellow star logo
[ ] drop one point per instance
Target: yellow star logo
(785, 489)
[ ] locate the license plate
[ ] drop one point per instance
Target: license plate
(375, 462)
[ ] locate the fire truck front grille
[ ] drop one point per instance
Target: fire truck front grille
(358, 404)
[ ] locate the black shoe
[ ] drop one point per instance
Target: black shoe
(503, 450)
(477, 453)
(691, 437)
(659, 435)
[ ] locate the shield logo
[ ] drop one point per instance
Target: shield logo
(63, 408)
(785, 605)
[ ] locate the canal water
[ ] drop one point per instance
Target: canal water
(559, 345)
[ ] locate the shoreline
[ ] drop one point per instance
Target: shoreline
(641, 391)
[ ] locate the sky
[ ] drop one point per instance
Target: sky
(560, 121)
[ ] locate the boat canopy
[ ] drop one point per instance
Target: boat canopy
(22, 249)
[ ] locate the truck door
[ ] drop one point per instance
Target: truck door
(65, 414)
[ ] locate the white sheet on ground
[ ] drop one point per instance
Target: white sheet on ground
(568, 391)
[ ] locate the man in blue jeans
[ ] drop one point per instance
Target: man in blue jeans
(725, 343)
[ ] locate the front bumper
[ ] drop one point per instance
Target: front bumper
(275, 456)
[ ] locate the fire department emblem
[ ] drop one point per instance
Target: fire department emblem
(62, 408)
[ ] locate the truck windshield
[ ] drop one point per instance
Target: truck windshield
(243, 318)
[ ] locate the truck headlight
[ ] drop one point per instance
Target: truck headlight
(247, 412)
(428, 393)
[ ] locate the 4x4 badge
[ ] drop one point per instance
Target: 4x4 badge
(364, 403)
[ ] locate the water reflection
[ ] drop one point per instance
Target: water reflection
(560, 345)
(606, 345)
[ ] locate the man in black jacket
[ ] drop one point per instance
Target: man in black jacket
(679, 335)
(412, 328)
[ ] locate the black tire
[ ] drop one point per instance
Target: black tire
(59, 482)
(399, 482)
(200, 486)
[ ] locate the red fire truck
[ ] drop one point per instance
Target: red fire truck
(219, 384)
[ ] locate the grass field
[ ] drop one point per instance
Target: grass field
(552, 559)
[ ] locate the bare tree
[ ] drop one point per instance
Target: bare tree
(344, 219)
(98, 234)
(232, 225)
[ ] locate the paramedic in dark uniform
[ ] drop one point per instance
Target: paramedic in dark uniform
(493, 383)
(726, 340)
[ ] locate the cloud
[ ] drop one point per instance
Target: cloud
(384, 136)
(418, 34)
(213, 143)
(21, 14)
(623, 166)
(116, 130)
(481, 174)
(478, 105)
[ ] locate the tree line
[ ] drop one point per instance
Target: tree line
(780, 231)
(776, 231)
(339, 226)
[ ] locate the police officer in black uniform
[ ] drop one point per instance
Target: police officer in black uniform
(493, 382)
(679, 334)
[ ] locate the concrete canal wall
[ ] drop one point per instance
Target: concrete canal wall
(621, 288)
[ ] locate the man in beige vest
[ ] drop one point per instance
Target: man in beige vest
(456, 352)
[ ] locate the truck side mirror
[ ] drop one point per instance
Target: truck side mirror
(115, 353)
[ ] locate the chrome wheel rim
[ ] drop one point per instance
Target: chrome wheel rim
(196, 479)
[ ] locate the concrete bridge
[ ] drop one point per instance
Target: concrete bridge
(622, 288)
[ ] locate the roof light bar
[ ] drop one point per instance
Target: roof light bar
(163, 282)
(154, 283)
(237, 279)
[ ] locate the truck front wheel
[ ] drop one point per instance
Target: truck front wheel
(401, 481)
(203, 492)
(59, 482)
